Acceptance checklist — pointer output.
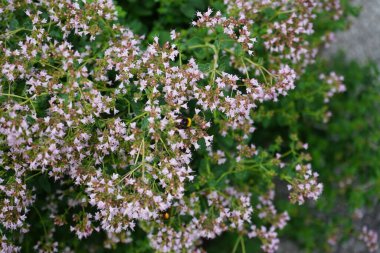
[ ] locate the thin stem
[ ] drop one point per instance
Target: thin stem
(236, 244)
(258, 66)
(215, 63)
(129, 173)
(32, 176)
(234, 171)
(13, 95)
(199, 46)
(164, 145)
(143, 157)
(15, 31)
(41, 220)
(180, 59)
(242, 245)
(137, 117)
(246, 69)
(138, 153)
(27, 99)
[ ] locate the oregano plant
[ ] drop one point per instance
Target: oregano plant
(113, 140)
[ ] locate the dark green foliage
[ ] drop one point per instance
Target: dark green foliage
(343, 150)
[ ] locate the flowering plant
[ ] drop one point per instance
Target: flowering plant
(107, 134)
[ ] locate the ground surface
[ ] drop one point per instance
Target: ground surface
(362, 40)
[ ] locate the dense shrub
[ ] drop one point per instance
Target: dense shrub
(344, 152)
(205, 135)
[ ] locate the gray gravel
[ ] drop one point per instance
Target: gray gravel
(362, 40)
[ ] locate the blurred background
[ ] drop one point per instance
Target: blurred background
(360, 43)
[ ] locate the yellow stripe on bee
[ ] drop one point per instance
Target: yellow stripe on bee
(166, 216)
(188, 122)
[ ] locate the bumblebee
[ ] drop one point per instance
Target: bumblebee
(165, 215)
(184, 123)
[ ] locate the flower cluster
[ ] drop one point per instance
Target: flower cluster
(269, 237)
(335, 83)
(287, 39)
(304, 185)
(118, 123)
(268, 213)
(370, 238)
(228, 211)
(7, 246)
(230, 26)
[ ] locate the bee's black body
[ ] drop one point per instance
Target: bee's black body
(184, 123)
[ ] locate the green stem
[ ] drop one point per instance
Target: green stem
(246, 69)
(216, 58)
(234, 171)
(138, 153)
(13, 95)
(236, 244)
(41, 220)
(199, 46)
(137, 117)
(163, 143)
(15, 31)
(32, 176)
(242, 245)
(215, 64)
